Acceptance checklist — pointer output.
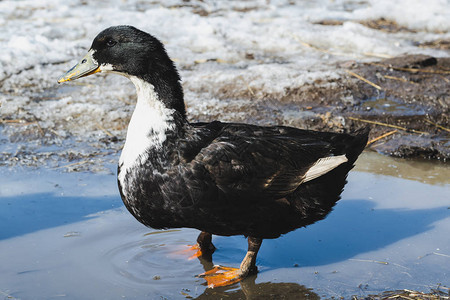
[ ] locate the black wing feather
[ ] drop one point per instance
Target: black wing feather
(266, 161)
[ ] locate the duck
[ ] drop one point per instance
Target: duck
(221, 178)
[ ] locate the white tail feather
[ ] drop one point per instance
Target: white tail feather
(323, 166)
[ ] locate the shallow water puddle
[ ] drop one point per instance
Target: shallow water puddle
(67, 235)
(392, 106)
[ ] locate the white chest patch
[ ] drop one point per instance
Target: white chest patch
(147, 128)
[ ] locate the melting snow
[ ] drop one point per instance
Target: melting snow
(223, 49)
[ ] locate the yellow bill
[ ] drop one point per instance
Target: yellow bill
(87, 66)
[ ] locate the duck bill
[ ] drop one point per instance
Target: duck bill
(87, 66)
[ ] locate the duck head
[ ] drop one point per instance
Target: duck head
(135, 54)
(121, 49)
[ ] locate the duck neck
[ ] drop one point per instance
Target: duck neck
(166, 84)
(153, 120)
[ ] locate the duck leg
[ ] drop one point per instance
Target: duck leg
(222, 276)
(204, 247)
(204, 241)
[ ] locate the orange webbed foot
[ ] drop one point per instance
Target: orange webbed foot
(198, 252)
(222, 276)
(204, 248)
(197, 249)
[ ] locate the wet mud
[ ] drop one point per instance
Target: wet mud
(405, 100)
(407, 97)
(414, 94)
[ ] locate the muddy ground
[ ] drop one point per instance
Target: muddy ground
(408, 97)
(413, 94)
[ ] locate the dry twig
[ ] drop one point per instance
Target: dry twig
(377, 55)
(437, 125)
(250, 89)
(364, 79)
(23, 122)
(445, 79)
(412, 70)
(399, 79)
(320, 49)
(78, 163)
(370, 54)
(387, 125)
(104, 129)
(441, 254)
(16, 121)
(381, 137)
(41, 131)
(370, 260)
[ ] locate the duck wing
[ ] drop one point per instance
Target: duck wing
(269, 162)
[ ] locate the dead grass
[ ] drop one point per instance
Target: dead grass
(440, 293)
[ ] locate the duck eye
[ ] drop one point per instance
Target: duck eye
(110, 43)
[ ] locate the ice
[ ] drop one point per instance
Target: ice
(224, 50)
(432, 16)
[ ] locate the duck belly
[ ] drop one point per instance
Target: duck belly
(164, 201)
